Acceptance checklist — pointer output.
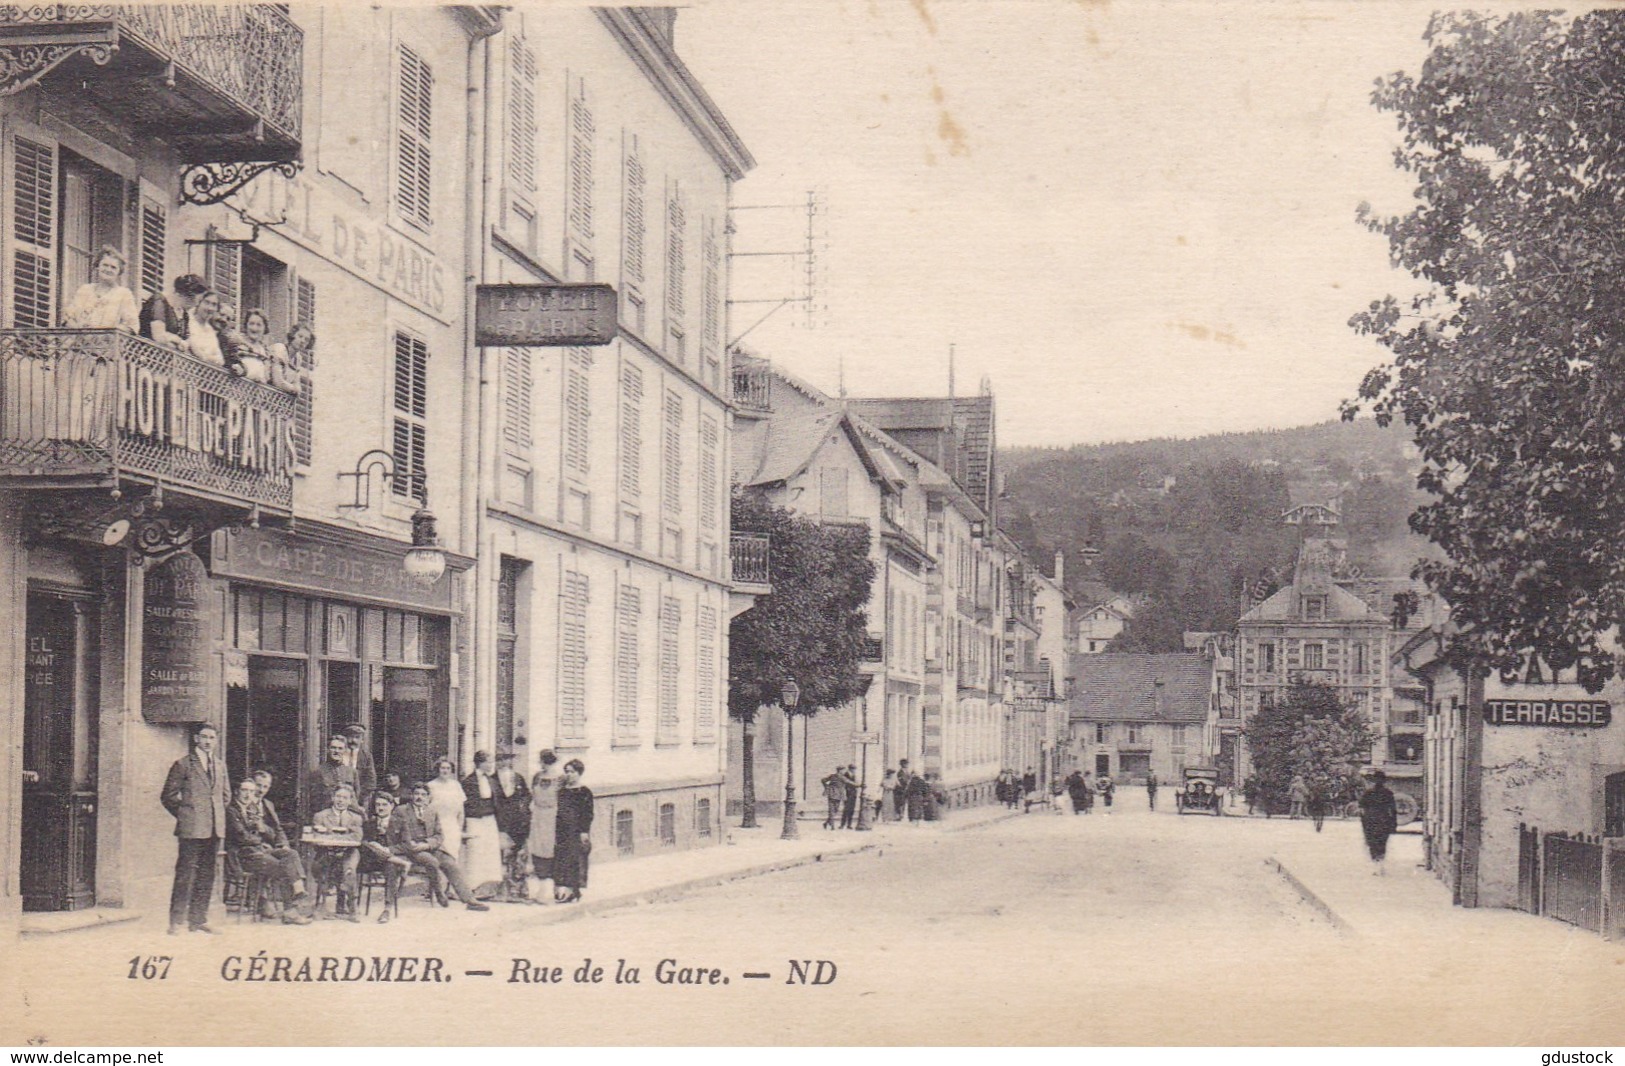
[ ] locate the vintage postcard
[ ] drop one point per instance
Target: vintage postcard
(788, 522)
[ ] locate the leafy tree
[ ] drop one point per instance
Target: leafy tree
(1313, 734)
(1508, 364)
(812, 626)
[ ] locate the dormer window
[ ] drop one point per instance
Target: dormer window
(1314, 608)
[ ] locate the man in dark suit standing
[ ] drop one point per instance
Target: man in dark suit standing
(512, 800)
(195, 793)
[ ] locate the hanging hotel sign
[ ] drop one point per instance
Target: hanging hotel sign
(543, 316)
(1582, 714)
(175, 642)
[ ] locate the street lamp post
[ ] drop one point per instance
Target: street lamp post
(789, 696)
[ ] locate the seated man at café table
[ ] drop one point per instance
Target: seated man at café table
(415, 833)
(261, 849)
(336, 865)
(376, 858)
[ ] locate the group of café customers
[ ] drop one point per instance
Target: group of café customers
(487, 836)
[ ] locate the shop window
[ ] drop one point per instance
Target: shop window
(1613, 794)
(702, 818)
(248, 619)
(624, 838)
(668, 824)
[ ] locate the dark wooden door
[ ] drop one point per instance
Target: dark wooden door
(59, 757)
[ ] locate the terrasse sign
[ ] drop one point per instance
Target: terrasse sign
(159, 407)
(1583, 714)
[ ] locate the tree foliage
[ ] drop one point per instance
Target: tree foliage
(1509, 366)
(813, 625)
(1311, 734)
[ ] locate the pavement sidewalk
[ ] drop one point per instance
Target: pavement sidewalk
(1332, 871)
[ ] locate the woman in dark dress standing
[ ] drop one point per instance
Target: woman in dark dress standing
(573, 842)
(1379, 818)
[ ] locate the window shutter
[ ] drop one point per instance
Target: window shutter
(708, 474)
(676, 252)
(581, 176)
(517, 384)
(635, 227)
(223, 268)
(34, 213)
(572, 716)
(410, 445)
(414, 138)
(304, 313)
(154, 231)
(672, 455)
(669, 720)
(711, 304)
(577, 413)
(631, 432)
(628, 610)
(522, 115)
(705, 693)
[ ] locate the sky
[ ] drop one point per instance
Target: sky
(1134, 219)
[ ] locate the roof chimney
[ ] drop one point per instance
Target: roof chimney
(1060, 567)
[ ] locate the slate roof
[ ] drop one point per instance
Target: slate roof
(1341, 606)
(969, 419)
(1132, 687)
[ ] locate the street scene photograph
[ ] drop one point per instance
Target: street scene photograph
(811, 524)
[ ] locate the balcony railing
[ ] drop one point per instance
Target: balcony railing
(1032, 685)
(222, 82)
(753, 387)
(748, 555)
(83, 408)
(874, 649)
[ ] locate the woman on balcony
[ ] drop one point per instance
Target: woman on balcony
(104, 303)
(254, 353)
(288, 360)
(167, 319)
(202, 336)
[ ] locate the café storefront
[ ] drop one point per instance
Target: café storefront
(322, 629)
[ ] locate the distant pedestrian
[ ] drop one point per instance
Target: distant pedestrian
(572, 834)
(1379, 818)
(834, 795)
(1088, 793)
(1151, 789)
(849, 798)
(919, 792)
(1298, 794)
(1317, 808)
(1077, 788)
(1107, 788)
(886, 810)
(1029, 782)
(905, 778)
(1007, 789)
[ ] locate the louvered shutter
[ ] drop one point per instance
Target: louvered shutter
(223, 268)
(301, 297)
(581, 172)
(572, 714)
(705, 686)
(410, 443)
(521, 115)
(711, 305)
(676, 256)
(414, 138)
(154, 241)
(517, 386)
(631, 433)
(672, 455)
(668, 721)
(628, 612)
(633, 233)
(577, 413)
(33, 230)
(708, 474)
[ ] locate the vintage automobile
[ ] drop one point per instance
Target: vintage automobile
(1200, 793)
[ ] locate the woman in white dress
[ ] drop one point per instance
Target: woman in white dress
(544, 818)
(446, 799)
(104, 303)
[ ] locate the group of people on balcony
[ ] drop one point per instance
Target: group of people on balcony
(193, 319)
